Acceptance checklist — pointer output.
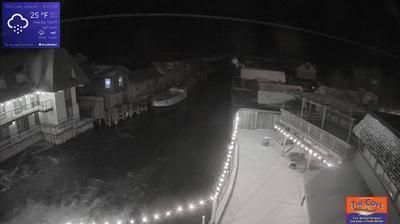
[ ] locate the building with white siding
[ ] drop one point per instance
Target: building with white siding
(38, 99)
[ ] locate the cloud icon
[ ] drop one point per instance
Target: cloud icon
(17, 23)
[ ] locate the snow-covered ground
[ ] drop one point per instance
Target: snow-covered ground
(266, 189)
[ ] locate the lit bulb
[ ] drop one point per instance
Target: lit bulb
(132, 221)
(168, 213)
(191, 206)
(179, 208)
(119, 222)
(156, 216)
(201, 202)
(144, 219)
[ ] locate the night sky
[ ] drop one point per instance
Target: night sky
(374, 23)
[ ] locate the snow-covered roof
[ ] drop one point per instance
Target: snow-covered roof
(279, 88)
(384, 144)
(263, 75)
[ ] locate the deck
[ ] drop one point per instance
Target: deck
(266, 189)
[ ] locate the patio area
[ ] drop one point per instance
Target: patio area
(266, 189)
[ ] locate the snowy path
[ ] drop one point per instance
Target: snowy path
(266, 190)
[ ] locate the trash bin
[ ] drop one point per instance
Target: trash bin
(265, 141)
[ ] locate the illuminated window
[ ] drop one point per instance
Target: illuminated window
(120, 81)
(107, 83)
(2, 108)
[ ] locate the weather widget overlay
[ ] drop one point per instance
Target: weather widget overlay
(31, 24)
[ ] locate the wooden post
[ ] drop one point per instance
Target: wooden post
(350, 129)
(302, 107)
(309, 162)
(323, 118)
(213, 210)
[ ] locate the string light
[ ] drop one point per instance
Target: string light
(191, 206)
(302, 145)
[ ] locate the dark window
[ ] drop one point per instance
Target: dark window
(36, 117)
(19, 69)
(4, 133)
(2, 83)
(3, 114)
(21, 78)
(22, 124)
(67, 93)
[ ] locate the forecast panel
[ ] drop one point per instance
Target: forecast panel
(31, 24)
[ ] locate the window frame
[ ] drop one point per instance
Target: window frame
(107, 83)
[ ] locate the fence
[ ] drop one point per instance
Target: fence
(328, 140)
(18, 143)
(257, 119)
(220, 203)
(384, 179)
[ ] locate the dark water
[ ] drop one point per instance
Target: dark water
(146, 164)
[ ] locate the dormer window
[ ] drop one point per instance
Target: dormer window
(20, 74)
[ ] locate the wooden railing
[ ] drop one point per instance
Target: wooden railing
(221, 202)
(26, 109)
(333, 143)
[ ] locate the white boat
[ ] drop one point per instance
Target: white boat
(172, 97)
